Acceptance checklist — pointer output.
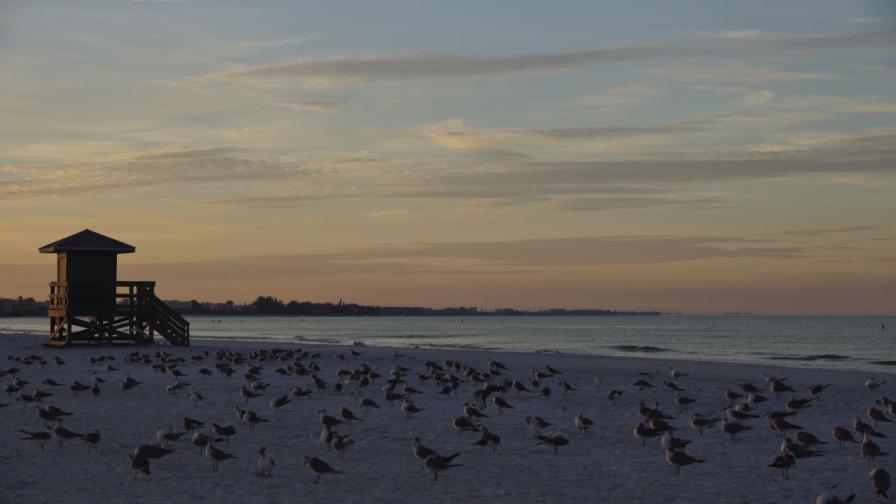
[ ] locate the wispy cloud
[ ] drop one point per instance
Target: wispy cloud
(830, 231)
(354, 70)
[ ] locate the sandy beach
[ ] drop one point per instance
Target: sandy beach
(606, 464)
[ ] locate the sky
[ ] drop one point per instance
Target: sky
(694, 156)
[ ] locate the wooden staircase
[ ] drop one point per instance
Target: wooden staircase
(169, 323)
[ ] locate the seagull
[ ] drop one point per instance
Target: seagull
(871, 450)
(501, 404)
(420, 451)
(347, 414)
(93, 439)
(674, 373)
(734, 428)
(281, 401)
(700, 422)
(252, 419)
(680, 459)
(437, 463)
(644, 433)
(489, 440)
(340, 444)
(40, 437)
(537, 423)
(139, 464)
(191, 424)
(731, 395)
(815, 390)
(582, 423)
(201, 440)
(670, 442)
(61, 434)
(862, 428)
(880, 481)
(782, 426)
(798, 451)
(367, 404)
(613, 396)
(843, 436)
(683, 402)
(318, 467)
(153, 451)
(129, 383)
(215, 455)
(555, 441)
(409, 408)
(247, 394)
(461, 424)
(328, 420)
(877, 415)
(808, 439)
(872, 384)
(168, 437)
(225, 430)
(783, 462)
(828, 497)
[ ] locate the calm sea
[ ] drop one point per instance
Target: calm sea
(867, 343)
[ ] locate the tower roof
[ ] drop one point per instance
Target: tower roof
(87, 241)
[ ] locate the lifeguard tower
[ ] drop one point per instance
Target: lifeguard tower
(89, 304)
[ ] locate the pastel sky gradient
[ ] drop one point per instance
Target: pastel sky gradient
(695, 156)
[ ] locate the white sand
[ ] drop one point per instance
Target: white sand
(608, 465)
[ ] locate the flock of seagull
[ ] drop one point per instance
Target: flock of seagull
(487, 391)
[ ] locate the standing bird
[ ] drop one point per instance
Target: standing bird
(62, 434)
(872, 384)
(680, 459)
(877, 415)
(501, 404)
(734, 428)
(319, 467)
(410, 409)
(537, 423)
(93, 440)
(843, 436)
(828, 497)
(782, 426)
(225, 430)
(264, 462)
(880, 481)
(871, 450)
(461, 424)
(40, 437)
(582, 423)
(784, 462)
(367, 404)
(139, 464)
(420, 451)
(215, 455)
(554, 441)
(700, 422)
(488, 440)
(437, 463)
(348, 416)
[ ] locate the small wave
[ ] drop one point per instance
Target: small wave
(884, 362)
(639, 348)
(810, 358)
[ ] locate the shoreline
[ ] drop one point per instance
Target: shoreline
(888, 367)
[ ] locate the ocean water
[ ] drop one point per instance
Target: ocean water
(818, 342)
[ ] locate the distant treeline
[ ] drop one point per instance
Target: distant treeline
(22, 307)
(269, 305)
